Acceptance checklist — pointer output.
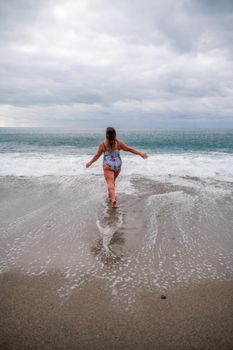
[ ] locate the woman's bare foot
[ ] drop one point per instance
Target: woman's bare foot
(109, 198)
(114, 203)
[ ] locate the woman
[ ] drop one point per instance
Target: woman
(112, 160)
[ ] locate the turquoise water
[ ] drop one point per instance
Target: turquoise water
(181, 152)
(85, 141)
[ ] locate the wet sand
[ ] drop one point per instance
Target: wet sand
(32, 317)
(80, 275)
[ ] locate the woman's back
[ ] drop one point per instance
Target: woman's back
(112, 158)
(109, 148)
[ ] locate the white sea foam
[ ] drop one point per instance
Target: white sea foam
(203, 165)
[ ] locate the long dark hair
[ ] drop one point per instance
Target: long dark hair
(111, 136)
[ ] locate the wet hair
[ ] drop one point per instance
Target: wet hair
(111, 136)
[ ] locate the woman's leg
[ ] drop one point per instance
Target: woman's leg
(116, 174)
(110, 179)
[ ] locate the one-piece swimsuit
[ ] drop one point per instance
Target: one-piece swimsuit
(112, 158)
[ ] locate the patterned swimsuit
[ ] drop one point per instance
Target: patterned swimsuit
(112, 158)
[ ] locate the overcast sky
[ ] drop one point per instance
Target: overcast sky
(123, 63)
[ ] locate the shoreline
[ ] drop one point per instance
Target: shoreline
(76, 274)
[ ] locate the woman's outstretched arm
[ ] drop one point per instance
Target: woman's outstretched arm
(127, 148)
(96, 156)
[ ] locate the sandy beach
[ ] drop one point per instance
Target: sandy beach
(155, 273)
(139, 93)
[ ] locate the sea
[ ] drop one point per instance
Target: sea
(172, 225)
(173, 153)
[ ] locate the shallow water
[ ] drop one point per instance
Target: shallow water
(161, 235)
(172, 227)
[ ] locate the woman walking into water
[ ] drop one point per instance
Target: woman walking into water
(111, 147)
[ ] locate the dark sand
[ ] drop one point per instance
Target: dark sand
(76, 275)
(195, 317)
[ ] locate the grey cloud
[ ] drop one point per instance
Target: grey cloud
(211, 6)
(123, 59)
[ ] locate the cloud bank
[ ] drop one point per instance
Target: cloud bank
(132, 64)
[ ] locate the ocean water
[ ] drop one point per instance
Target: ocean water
(203, 153)
(172, 225)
